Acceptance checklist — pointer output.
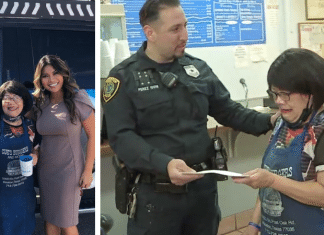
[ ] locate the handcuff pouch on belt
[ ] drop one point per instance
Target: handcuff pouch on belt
(220, 160)
(126, 184)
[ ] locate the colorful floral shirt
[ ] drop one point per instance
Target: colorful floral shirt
(310, 164)
(16, 131)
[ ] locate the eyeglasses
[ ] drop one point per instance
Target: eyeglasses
(285, 96)
(15, 98)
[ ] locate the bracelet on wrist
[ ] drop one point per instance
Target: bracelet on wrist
(257, 226)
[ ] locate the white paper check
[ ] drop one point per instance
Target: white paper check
(228, 173)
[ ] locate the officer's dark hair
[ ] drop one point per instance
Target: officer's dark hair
(299, 71)
(151, 8)
(19, 89)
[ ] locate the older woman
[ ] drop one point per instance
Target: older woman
(17, 195)
(62, 110)
(291, 181)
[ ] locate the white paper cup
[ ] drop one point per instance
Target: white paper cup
(106, 64)
(112, 43)
(105, 48)
(121, 51)
(26, 165)
(120, 59)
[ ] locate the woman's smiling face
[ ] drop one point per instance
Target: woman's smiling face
(12, 104)
(51, 79)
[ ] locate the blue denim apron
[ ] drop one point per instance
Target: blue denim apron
(17, 194)
(282, 214)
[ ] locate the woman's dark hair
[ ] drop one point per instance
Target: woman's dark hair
(151, 8)
(19, 89)
(69, 87)
(300, 71)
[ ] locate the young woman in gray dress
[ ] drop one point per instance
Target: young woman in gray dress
(61, 111)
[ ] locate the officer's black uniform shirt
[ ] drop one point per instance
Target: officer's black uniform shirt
(149, 124)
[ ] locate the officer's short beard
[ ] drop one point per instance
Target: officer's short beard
(178, 55)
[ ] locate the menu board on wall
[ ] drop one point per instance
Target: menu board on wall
(210, 22)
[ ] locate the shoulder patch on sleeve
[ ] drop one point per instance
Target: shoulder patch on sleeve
(110, 89)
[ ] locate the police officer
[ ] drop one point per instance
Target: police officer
(156, 104)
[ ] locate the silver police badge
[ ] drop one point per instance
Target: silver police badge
(191, 71)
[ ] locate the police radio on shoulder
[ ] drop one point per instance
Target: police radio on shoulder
(169, 79)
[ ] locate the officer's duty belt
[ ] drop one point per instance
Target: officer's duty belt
(162, 184)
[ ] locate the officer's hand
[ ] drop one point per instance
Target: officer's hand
(175, 169)
(274, 118)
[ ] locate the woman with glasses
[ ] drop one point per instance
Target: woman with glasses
(61, 111)
(291, 179)
(17, 194)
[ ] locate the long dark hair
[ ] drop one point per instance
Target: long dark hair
(69, 87)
